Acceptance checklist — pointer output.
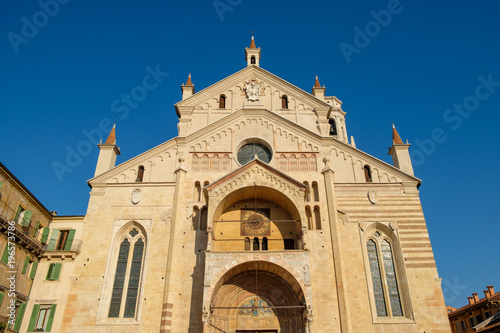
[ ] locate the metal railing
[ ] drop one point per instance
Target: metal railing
(74, 246)
(26, 231)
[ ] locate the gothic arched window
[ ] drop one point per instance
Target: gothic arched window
(128, 272)
(384, 275)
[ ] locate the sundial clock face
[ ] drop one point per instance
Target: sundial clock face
(255, 222)
(248, 152)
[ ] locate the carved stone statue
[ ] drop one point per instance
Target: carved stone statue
(253, 91)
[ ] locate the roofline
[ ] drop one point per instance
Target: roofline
(11, 175)
(467, 307)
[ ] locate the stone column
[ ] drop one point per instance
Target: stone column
(180, 176)
(328, 173)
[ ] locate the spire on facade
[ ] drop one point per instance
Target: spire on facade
(396, 139)
(252, 44)
(252, 54)
(189, 82)
(111, 140)
(316, 84)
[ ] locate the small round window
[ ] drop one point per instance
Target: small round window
(251, 150)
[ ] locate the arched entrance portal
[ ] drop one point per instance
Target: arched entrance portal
(257, 296)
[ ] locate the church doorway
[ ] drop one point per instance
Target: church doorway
(258, 296)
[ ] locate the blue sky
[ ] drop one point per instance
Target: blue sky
(430, 67)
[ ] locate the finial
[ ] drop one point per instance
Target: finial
(316, 84)
(396, 139)
(188, 82)
(252, 43)
(111, 140)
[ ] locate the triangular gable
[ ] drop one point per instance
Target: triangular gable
(245, 74)
(257, 169)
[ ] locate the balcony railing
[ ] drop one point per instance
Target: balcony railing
(69, 246)
(26, 231)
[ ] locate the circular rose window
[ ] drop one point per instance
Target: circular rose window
(252, 150)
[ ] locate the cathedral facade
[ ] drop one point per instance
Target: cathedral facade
(260, 216)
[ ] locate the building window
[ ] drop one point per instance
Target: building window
(384, 280)
(256, 246)
(19, 214)
(264, 244)
(222, 102)
(42, 318)
(289, 244)
(140, 174)
(487, 314)
(315, 191)
(333, 127)
(247, 244)
(203, 218)
(54, 271)
(317, 218)
(128, 274)
(284, 102)
(368, 174)
(252, 60)
(61, 240)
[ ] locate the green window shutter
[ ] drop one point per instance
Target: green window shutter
(34, 315)
(26, 263)
(1, 185)
(36, 228)
(19, 318)
(33, 270)
(26, 218)
(45, 235)
(1, 298)
(53, 239)
(51, 317)
(5, 255)
(69, 240)
(56, 271)
(49, 272)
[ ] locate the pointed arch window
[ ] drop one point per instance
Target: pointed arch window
(128, 273)
(384, 276)
(252, 60)
(222, 101)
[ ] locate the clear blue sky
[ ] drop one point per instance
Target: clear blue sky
(63, 73)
